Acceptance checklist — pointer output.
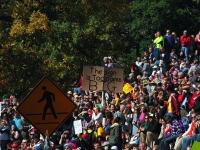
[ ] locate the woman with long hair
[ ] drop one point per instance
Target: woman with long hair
(109, 117)
(165, 129)
(14, 134)
(142, 114)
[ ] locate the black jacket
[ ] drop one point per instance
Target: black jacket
(154, 127)
(162, 112)
(196, 106)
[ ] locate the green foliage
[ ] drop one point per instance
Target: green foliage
(150, 16)
(55, 38)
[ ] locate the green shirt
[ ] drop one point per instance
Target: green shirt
(159, 41)
(145, 125)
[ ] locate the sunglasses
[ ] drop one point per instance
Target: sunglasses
(146, 118)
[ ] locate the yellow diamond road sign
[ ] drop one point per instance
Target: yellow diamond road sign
(46, 107)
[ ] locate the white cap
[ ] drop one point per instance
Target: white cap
(154, 67)
(114, 148)
(105, 58)
(131, 74)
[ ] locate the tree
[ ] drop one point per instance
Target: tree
(160, 15)
(56, 38)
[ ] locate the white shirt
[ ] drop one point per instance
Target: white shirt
(98, 117)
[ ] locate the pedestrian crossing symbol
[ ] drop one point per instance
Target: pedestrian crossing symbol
(46, 107)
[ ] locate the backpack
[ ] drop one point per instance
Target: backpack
(90, 135)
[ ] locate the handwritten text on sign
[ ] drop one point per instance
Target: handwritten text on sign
(100, 78)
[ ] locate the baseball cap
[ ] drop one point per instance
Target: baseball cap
(154, 67)
(114, 148)
(151, 116)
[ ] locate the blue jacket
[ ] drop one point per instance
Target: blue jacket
(169, 42)
(5, 132)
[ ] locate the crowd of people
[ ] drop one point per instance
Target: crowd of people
(161, 112)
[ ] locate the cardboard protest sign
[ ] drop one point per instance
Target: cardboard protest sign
(93, 78)
(113, 79)
(101, 78)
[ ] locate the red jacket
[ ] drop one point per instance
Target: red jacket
(191, 101)
(180, 98)
(185, 41)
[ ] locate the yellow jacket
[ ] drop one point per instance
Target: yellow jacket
(159, 41)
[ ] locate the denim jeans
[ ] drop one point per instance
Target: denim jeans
(162, 140)
(137, 141)
(107, 129)
(186, 142)
(186, 51)
(77, 90)
(196, 137)
(168, 140)
(156, 53)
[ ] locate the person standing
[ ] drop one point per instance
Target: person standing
(173, 106)
(176, 42)
(115, 138)
(97, 115)
(139, 63)
(17, 122)
(185, 42)
(146, 67)
(25, 128)
(169, 41)
(5, 134)
(159, 42)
